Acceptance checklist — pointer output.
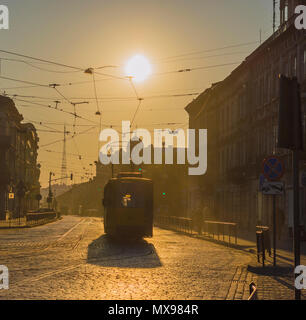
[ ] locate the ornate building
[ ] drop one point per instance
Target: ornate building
(19, 172)
(241, 115)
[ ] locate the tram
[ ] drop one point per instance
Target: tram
(128, 206)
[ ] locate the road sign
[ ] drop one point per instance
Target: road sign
(11, 195)
(273, 188)
(273, 168)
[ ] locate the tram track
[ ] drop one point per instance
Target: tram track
(108, 258)
(124, 253)
(33, 248)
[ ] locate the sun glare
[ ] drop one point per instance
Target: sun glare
(139, 68)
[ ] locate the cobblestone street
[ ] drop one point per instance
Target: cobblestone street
(73, 259)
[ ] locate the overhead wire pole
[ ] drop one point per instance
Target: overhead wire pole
(290, 136)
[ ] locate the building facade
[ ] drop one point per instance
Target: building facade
(241, 115)
(19, 182)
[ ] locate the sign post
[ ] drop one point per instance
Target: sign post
(290, 136)
(273, 170)
(296, 215)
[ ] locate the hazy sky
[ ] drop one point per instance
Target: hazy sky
(96, 33)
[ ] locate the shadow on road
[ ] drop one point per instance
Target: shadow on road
(108, 252)
(270, 270)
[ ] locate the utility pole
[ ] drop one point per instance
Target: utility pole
(50, 195)
(296, 216)
(290, 136)
(64, 160)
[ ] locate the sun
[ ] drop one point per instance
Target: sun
(139, 68)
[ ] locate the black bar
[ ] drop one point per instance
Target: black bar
(274, 231)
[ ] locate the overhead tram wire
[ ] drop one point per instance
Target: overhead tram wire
(111, 99)
(70, 154)
(18, 88)
(50, 128)
(108, 75)
(60, 110)
(137, 97)
(211, 50)
(62, 84)
(80, 133)
(26, 82)
(48, 131)
(196, 68)
(156, 74)
(41, 60)
(98, 112)
(204, 57)
(57, 63)
(36, 67)
(54, 86)
(138, 107)
(58, 123)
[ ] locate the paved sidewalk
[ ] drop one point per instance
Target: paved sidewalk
(247, 242)
(273, 283)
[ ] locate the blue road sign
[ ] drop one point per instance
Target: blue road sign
(273, 168)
